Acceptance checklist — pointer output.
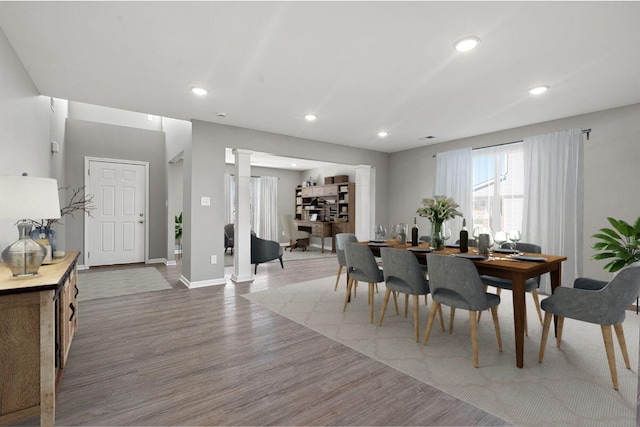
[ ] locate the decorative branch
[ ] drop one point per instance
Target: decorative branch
(79, 202)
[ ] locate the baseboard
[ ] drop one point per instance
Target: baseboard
(156, 261)
(173, 262)
(82, 267)
(202, 283)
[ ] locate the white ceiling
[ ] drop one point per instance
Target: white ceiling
(360, 66)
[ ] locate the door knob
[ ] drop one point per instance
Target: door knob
(141, 222)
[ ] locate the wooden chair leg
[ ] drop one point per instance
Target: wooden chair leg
(338, 278)
(452, 315)
(370, 302)
(395, 302)
(355, 289)
(545, 333)
(559, 331)
(526, 326)
(496, 325)
(348, 296)
(536, 301)
(432, 314)
(406, 305)
(416, 313)
(623, 344)
(385, 301)
(376, 288)
(611, 358)
(441, 317)
(473, 323)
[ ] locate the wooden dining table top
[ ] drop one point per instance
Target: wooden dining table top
(496, 259)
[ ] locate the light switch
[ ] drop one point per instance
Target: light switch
(205, 201)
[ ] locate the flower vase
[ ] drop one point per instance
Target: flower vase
(43, 232)
(437, 235)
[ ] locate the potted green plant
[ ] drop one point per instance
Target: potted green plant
(178, 223)
(620, 244)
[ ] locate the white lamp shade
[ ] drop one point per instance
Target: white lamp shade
(27, 197)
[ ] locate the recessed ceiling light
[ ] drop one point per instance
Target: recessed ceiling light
(466, 43)
(310, 117)
(538, 90)
(382, 134)
(293, 165)
(199, 91)
(221, 114)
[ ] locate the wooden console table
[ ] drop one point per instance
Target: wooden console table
(38, 318)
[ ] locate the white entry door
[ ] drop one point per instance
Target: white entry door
(117, 229)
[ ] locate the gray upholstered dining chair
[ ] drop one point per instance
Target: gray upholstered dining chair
(361, 267)
(603, 306)
(455, 282)
(403, 274)
(341, 239)
(531, 285)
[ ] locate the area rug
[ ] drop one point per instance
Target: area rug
(571, 387)
(125, 281)
(295, 255)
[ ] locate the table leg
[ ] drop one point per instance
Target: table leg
(518, 316)
(556, 282)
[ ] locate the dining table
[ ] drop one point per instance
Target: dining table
(516, 267)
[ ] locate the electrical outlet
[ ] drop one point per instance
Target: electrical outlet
(214, 259)
(205, 201)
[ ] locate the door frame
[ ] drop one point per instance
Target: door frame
(87, 179)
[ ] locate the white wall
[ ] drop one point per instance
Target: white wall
(26, 125)
(612, 171)
(113, 116)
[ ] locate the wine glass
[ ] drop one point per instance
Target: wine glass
(500, 238)
(514, 237)
(446, 233)
(380, 232)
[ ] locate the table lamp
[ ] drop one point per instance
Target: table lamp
(21, 198)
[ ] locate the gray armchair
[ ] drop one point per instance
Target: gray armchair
(589, 302)
(455, 282)
(264, 251)
(228, 237)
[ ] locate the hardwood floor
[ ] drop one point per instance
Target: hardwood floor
(208, 356)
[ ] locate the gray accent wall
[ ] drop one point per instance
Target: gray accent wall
(91, 139)
(204, 166)
(612, 171)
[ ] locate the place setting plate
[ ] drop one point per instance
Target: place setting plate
(420, 250)
(470, 256)
(528, 258)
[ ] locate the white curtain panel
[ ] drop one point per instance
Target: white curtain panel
(264, 207)
(229, 198)
(553, 204)
(454, 178)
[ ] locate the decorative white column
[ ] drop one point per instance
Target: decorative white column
(365, 201)
(242, 233)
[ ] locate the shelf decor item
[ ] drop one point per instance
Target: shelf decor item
(620, 244)
(26, 197)
(438, 210)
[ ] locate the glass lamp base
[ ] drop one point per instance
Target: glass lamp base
(24, 256)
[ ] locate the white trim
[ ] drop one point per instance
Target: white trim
(82, 267)
(239, 279)
(202, 283)
(173, 262)
(157, 261)
(87, 242)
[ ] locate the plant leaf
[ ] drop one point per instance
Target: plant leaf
(622, 227)
(604, 255)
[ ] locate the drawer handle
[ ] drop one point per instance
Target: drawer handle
(73, 311)
(77, 290)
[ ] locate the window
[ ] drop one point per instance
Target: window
(498, 187)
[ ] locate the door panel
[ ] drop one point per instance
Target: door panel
(117, 229)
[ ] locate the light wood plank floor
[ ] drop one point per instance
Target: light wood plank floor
(209, 357)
